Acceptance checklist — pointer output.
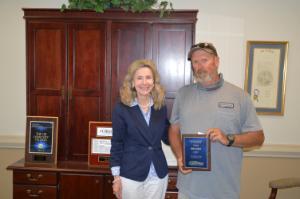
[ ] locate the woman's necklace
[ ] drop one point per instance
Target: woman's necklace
(145, 108)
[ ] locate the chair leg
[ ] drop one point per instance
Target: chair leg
(273, 193)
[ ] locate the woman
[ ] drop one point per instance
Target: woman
(139, 124)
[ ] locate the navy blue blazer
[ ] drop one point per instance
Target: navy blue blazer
(135, 145)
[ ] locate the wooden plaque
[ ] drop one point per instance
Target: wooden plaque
(100, 134)
(41, 140)
(196, 151)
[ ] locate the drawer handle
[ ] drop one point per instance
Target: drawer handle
(34, 195)
(30, 178)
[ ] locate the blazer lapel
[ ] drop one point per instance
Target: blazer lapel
(141, 123)
(155, 115)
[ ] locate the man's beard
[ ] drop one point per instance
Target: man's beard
(202, 77)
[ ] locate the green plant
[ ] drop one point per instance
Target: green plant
(164, 7)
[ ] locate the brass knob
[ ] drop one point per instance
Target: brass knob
(34, 195)
(31, 178)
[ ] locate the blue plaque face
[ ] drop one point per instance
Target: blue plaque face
(41, 137)
(196, 152)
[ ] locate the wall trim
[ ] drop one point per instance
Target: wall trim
(274, 150)
(267, 150)
(12, 141)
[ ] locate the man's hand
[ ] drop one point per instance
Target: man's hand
(180, 167)
(215, 134)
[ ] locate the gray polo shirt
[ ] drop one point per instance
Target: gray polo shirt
(223, 106)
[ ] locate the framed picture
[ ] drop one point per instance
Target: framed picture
(266, 75)
(41, 140)
(100, 134)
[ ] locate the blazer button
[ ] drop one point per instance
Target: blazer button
(149, 147)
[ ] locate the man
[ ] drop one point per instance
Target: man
(226, 114)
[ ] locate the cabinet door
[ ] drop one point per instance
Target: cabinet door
(129, 41)
(86, 90)
(46, 72)
(108, 193)
(171, 44)
(166, 44)
(81, 186)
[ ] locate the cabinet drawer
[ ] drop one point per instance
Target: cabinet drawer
(35, 177)
(172, 183)
(171, 195)
(37, 191)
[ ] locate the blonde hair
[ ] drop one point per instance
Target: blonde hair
(128, 92)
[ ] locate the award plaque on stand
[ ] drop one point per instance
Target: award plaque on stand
(196, 152)
(100, 134)
(41, 140)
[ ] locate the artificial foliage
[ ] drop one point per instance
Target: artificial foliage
(164, 7)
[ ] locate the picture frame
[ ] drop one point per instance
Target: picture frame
(99, 143)
(41, 140)
(265, 76)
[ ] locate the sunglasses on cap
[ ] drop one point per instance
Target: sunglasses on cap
(207, 47)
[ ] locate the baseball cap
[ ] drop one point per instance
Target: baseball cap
(207, 47)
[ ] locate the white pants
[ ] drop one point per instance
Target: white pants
(152, 187)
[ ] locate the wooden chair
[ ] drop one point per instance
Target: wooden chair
(282, 183)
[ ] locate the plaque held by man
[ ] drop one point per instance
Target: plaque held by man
(196, 149)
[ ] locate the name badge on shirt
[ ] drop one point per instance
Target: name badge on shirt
(226, 105)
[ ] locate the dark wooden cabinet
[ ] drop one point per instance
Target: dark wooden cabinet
(66, 78)
(171, 43)
(129, 41)
(69, 180)
(86, 87)
(66, 180)
(167, 44)
(86, 186)
(75, 64)
(34, 184)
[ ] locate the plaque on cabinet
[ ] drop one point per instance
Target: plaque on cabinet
(100, 134)
(41, 140)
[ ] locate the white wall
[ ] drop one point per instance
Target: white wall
(228, 24)
(12, 65)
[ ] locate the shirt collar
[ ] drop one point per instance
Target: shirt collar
(135, 102)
